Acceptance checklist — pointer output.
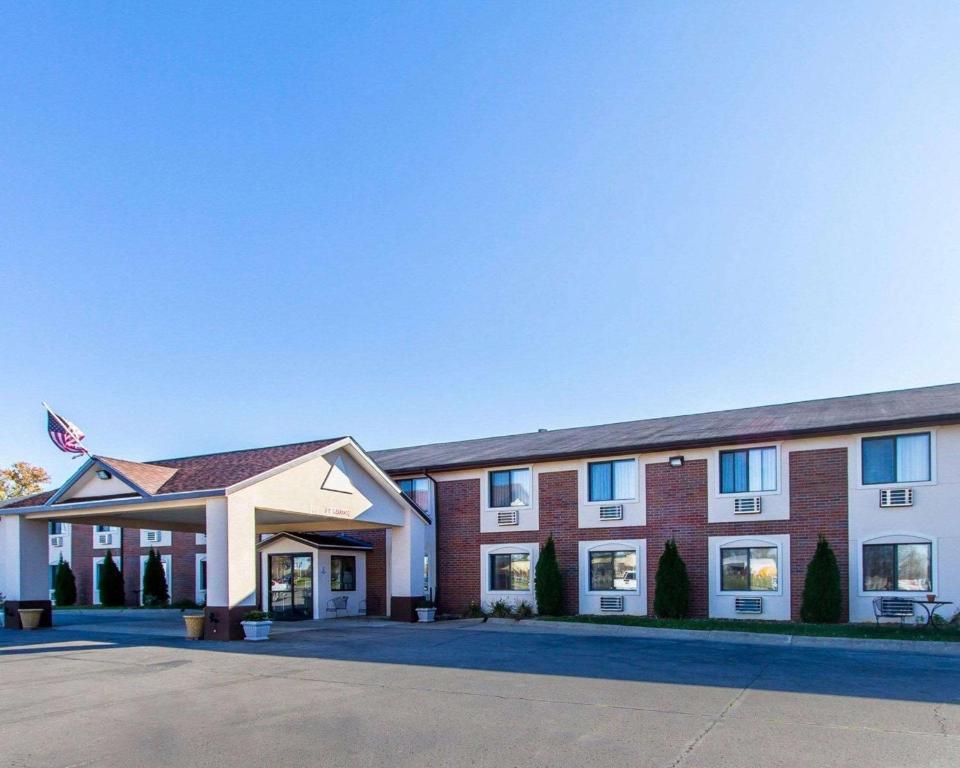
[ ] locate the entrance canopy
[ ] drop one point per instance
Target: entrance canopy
(323, 485)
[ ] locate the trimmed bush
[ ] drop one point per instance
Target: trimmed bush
(64, 584)
(547, 581)
(111, 582)
(822, 598)
(155, 591)
(672, 594)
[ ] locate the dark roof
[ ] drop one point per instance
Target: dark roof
(880, 410)
(211, 471)
(325, 540)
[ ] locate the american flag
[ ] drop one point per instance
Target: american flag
(65, 436)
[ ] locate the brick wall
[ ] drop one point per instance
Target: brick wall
(81, 561)
(376, 570)
(676, 508)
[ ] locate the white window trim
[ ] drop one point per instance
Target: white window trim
(746, 542)
(485, 491)
(743, 494)
(95, 593)
(166, 538)
(858, 460)
(899, 537)
(585, 471)
(506, 549)
(199, 595)
(166, 559)
(614, 546)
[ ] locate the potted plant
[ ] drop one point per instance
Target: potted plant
(256, 626)
(931, 597)
(427, 610)
(30, 617)
(193, 623)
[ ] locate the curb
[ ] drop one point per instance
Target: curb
(927, 647)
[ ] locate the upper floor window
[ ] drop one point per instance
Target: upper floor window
(748, 470)
(416, 488)
(748, 569)
(510, 488)
(54, 528)
(897, 567)
(896, 458)
(612, 480)
(103, 528)
(510, 572)
(613, 571)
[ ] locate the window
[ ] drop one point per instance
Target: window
(510, 573)
(104, 528)
(418, 490)
(613, 571)
(343, 573)
(53, 575)
(54, 529)
(426, 576)
(612, 480)
(510, 488)
(897, 567)
(896, 459)
(748, 569)
(754, 469)
(202, 577)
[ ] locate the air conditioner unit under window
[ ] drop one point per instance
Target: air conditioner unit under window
(896, 497)
(105, 538)
(56, 541)
(748, 605)
(508, 517)
(612, 604)
(612, 512)
(747, 505)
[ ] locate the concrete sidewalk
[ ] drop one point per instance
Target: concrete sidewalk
(573, 629)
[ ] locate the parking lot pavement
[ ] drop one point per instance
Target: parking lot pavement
(404, 695)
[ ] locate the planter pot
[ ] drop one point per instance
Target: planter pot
(30, 617)
(931, 598)
(256, 631)
(426, 614)
(194, 627)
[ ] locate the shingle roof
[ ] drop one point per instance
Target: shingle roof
(199, 473)
(324, 540)
(880, 410)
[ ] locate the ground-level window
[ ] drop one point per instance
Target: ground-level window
(749, 569)
(418, 490)
(426, 575)
(897, 567)
(53, 575)
(202, 577)
(896, 459)
(753, 469)
(510, 488)
(343, 573)
(510, 572)
(612, 480)
(613, 571)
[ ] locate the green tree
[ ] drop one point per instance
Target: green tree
(64, 584)
(672, 593)
(822, 598)
(22, 479)
(155, 591)
(547, 581)
(111, 582)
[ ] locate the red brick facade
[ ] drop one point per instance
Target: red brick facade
(676, 508)
(184, 563)
(376, 570)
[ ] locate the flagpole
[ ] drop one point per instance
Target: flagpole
(68, 428)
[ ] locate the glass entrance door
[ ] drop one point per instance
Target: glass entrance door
(291, 587)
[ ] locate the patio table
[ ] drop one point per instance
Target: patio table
(931, 606)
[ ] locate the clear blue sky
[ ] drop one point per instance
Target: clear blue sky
(230, 226)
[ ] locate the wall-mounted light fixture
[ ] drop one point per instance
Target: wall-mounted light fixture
(676, 461)
(103, 474)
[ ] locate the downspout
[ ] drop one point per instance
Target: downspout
(436, 534)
